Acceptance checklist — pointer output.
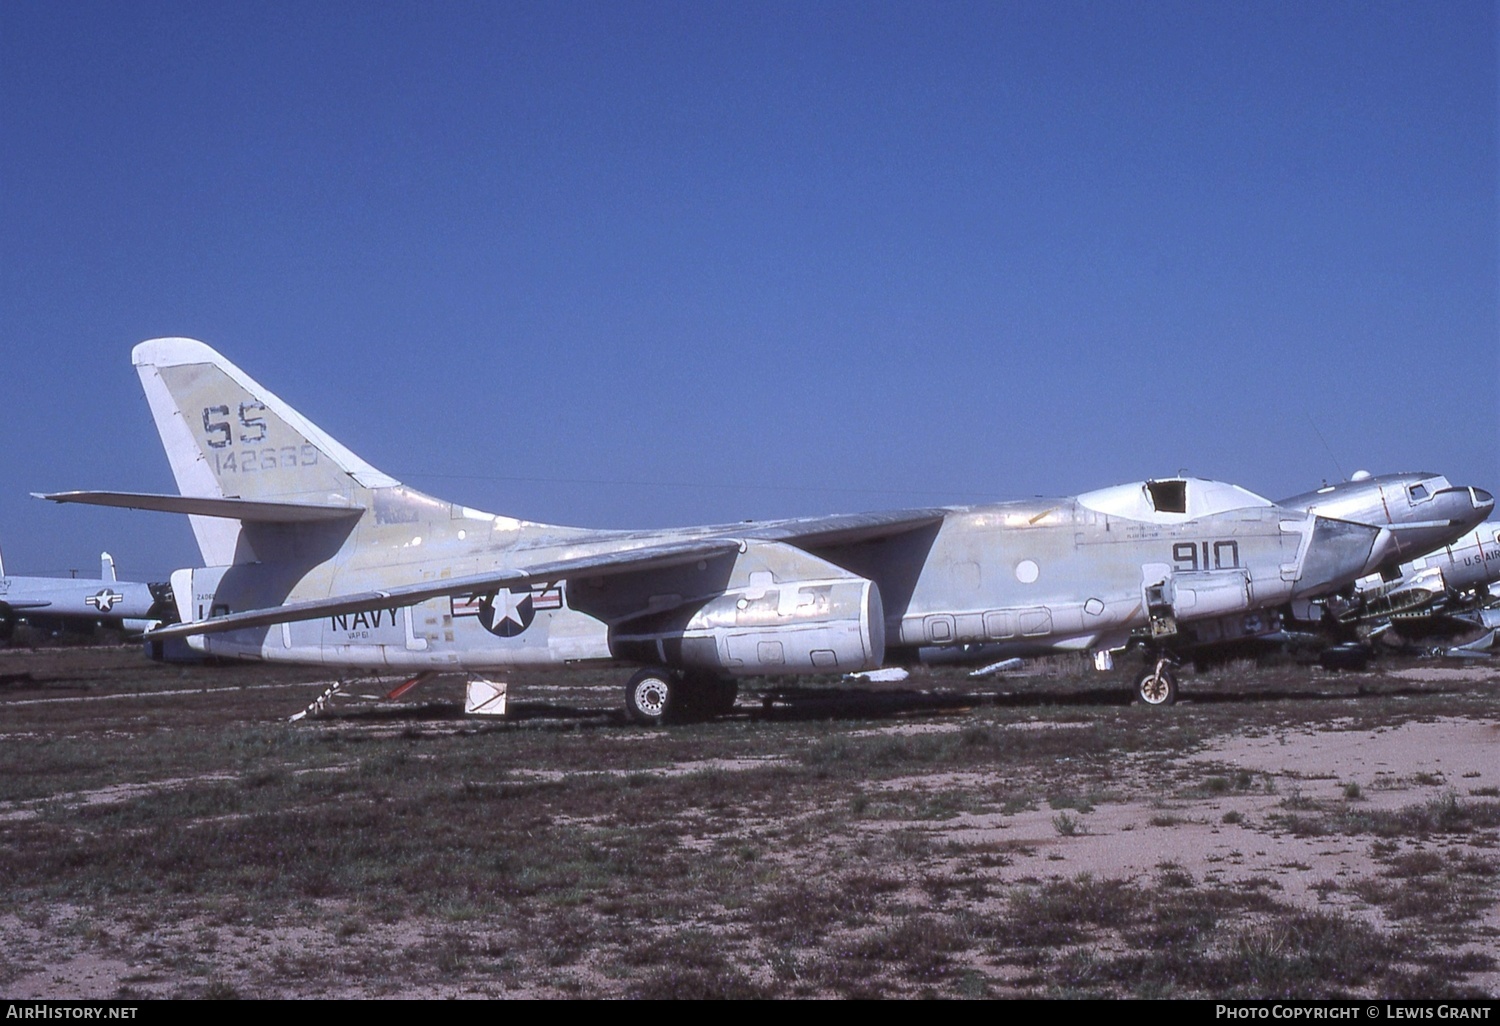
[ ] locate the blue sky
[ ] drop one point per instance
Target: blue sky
(639, 264)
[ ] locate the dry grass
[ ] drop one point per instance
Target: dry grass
(191, 843)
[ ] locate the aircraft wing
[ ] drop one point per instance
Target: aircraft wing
(207, 506)
(824, 530)
(841, 529)
(598, 565)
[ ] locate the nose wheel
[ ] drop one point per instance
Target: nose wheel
(1157, 686)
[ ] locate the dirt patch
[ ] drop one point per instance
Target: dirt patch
(1484, 674)
(1385, 761)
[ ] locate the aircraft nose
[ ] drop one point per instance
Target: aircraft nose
(1464, 508)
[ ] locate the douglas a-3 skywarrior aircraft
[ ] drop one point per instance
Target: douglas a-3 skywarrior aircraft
(312, 555)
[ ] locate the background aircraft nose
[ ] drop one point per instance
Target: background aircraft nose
(1464, 508)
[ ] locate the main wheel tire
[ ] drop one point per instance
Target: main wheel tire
(652, 696)
(1354, 657)
(1157, 686)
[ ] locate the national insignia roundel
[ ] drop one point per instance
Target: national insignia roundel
(507, 613)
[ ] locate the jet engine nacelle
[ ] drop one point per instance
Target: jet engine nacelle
(784, 612)
(1210, 593)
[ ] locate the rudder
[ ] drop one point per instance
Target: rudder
(226, 435)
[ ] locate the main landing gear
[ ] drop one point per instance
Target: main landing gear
(655, 696)
(650, 696)
(1158, 685)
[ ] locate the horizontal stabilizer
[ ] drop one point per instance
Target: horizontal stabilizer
(261, 511)
(604, 564)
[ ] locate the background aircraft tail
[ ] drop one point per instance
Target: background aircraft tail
(227, 436)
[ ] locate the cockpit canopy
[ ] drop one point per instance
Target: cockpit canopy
(1419, 487)
(1170, 500)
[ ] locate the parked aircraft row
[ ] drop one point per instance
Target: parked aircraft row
(1438, 581)
(310, 554)
(51, 603)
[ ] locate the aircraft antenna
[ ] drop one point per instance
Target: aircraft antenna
(1342, 476)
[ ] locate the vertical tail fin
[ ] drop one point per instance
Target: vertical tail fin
(107, 568)
(227, 436)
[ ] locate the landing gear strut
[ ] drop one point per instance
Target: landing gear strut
(1158, 685)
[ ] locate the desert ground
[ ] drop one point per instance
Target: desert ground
(1283, 831)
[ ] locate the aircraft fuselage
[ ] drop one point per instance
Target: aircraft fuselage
(1020, 577)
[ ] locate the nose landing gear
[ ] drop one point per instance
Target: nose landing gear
(1158, 685)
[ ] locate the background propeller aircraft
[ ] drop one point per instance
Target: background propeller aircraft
(1422, 510)
(1447, 554)
(1421, 513)
(312, 555)
(1453, 580)
(60, 602)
